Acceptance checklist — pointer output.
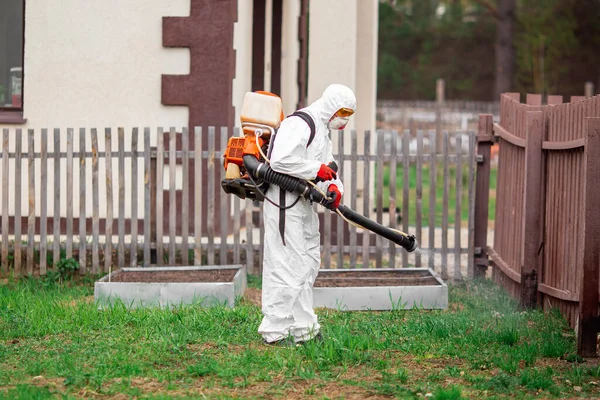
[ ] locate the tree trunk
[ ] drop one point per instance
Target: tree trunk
(505, 54)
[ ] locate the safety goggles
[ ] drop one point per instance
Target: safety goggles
(344, 112)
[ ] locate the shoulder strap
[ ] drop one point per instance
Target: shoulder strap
(307, 118)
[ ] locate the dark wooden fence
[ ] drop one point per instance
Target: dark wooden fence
(547, 224)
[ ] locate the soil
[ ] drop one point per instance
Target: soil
(373, 273)
(351, 278)
(346, 278)
(217, 275)
(367, 282)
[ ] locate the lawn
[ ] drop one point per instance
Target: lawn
(439, 185)
(54, 342)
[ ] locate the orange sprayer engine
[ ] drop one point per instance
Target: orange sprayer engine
(262, 113)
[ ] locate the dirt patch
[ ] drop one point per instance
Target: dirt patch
(253, 296)
(3, 281)
(217, 275)
(559, 364)
(350, 278)
(76, 302)
(148, 385)
(396, 274)
(368, 282)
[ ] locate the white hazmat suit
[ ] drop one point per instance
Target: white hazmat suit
(290, 269)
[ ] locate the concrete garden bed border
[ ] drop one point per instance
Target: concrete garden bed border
(403, 292)
(164, 293)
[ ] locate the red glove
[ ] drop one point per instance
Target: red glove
(325, 173)
(335, 195)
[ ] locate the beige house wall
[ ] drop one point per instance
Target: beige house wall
(87, 66)
(347, 56)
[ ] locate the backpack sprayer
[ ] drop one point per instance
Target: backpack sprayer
(248, 174)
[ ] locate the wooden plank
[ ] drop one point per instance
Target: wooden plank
(172, 197)
(236, 218)
(366, 198)
(31, 215)
(57, 189)
(558, 293)
(121, 221)
(379, 196)
(160, 160)
(224, 202)
(392, 197)
(554, 100)
(353, 200)
(577, 98)
(134, 198)
(108, 229)
(533, 99)
(210, 207)
(18, 169)
(249, 238)
(482, 190)
(503, 266)
(185, 196)
(198, 195)
(588, 307)
(563, 145)
(419, 193)
(406, 188)
(236, 229)
(69, 191)
(458, 209)
(552, 217)
(44, 203)
(5, 183)
(147, 197)
(261, 238)
(340, 221)
(514, 96)
(433, 138)
(95, 205)
(508, 136)
(82, 197)
(532, 207)
(471, 205)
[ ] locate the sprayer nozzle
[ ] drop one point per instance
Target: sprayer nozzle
(414, 244)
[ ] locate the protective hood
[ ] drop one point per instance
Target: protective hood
(334, 97)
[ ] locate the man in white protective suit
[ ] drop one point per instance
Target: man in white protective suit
(292, 239)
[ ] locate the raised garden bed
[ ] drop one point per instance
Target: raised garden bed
(380, 289)
(172, 286)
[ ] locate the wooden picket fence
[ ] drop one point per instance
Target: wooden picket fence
(134, 233)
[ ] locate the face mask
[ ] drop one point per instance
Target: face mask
(338, 123)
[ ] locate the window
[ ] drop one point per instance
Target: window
(12, 17)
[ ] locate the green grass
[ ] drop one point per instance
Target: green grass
(55, 343)
(439, 190)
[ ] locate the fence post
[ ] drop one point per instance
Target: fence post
(589, 323)
(485, 140)
(440, 89)
(588, 89)
(153, 193)
(532, 203)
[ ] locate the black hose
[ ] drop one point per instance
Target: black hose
(408, 242)
(288, 183)
(263, 171)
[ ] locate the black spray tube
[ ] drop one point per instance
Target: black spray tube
(298, 186)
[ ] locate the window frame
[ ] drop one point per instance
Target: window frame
(14, 115)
